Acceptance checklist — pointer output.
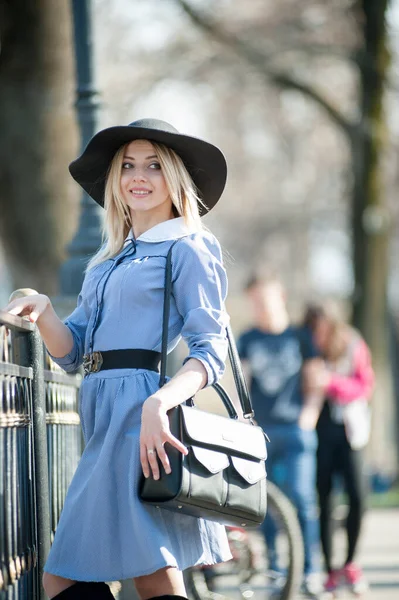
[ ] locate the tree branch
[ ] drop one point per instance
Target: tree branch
(261, 63)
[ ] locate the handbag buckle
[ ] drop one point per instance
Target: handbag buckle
(249, 415)
(92, 362)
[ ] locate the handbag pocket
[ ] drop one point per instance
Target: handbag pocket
(206, 476)
(246, 484)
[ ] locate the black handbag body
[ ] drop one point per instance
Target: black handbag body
(223, 476)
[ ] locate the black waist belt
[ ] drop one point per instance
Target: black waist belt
(134, 358)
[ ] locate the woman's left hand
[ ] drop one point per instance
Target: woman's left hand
(154, 433)
(316, 376)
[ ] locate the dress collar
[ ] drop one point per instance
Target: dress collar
(171, 229)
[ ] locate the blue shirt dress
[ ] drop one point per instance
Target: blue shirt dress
(105, 533)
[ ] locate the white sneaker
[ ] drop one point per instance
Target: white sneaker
(311, 586)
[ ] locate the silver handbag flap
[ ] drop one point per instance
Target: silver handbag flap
(211, 460)
(249, 470)
(208, 429)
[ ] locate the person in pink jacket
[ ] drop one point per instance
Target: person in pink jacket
(344, 379)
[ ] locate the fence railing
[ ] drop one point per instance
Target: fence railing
(40, 446)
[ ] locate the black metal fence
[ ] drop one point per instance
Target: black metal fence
(40, 446)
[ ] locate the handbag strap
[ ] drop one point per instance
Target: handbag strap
(239, 379)
(238, 375)
(166, 313)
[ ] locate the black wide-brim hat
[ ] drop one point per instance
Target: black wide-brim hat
(204, 161)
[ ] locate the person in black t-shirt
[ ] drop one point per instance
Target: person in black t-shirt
(274, 353)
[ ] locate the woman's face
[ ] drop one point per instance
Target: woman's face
(268, 302)
(143, 184)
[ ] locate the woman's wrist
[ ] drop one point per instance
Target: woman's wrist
(162, 401)
(155, 403)
(46, 312)
(183, 385)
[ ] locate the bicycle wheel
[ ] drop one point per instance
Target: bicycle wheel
(253, 567)
(284, 579)
(213, 582)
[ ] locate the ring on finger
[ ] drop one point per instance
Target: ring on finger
(150, 451)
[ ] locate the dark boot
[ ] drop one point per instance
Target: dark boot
(86, 590)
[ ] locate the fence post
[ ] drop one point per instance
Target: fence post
(40, 454)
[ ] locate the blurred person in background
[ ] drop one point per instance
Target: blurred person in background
(345, 379)
(274, 353)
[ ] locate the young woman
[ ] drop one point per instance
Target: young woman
(345, 378)
(154, 184)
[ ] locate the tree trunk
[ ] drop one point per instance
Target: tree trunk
(38, 201)
(370, 224)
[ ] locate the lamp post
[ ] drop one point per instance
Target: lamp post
(88, 236)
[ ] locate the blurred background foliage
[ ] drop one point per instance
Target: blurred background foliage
(302, 98)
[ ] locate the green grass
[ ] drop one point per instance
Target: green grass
(389, 499)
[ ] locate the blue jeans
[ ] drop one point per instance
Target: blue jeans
(291, 465)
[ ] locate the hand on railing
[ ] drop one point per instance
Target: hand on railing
(37, 309)
(17, 294)
(26, 302)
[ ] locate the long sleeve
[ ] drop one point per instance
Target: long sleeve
(77, 324)
(344, 389)
(200, 289)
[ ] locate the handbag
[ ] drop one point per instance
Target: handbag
(223, 476)
(357, 421)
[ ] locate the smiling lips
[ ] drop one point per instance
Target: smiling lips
(140, 192)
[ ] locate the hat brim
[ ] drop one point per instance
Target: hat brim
(204, 161)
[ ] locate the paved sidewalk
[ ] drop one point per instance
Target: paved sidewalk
(379, 554)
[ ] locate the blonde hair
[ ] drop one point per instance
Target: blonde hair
(118, 222)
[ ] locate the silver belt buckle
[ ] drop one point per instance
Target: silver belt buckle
(92, 362)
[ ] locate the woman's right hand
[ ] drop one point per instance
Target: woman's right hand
(32, 306)
(154, 433)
